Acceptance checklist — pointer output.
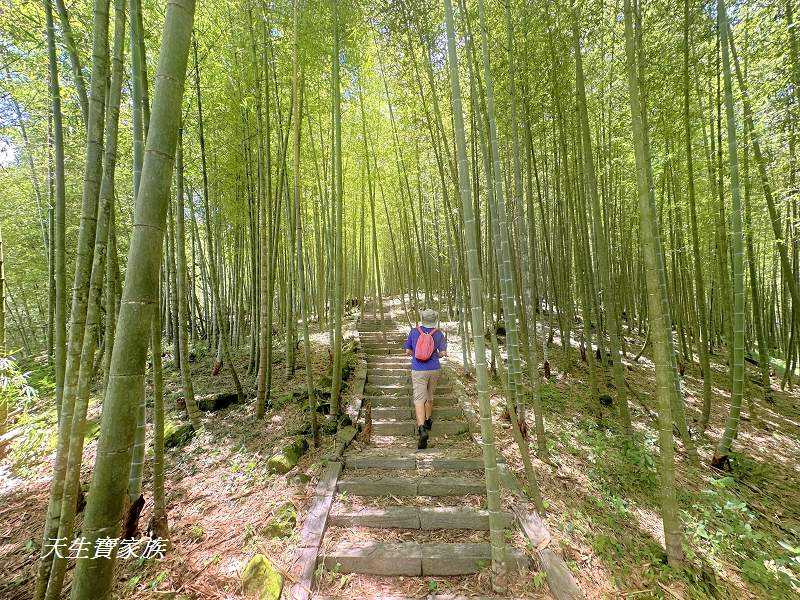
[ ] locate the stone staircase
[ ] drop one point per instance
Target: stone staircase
(402, 512)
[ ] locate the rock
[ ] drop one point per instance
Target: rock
(290, 397)
(346, 434)
(260, 579)
(285, 460)
(329, 427)
(301, 478)
(280, 463)
(304, 430)
(282, 522)
(177, 435)
(213, 402)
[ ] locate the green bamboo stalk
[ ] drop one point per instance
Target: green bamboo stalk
(338, 258)
(737, 242)
(601, 244)
(180, 241)
(699, 281)
(658, 312)
(476, 300)
(158, 522)
(80, 400)
(80, 295)
(58, 238)
(93, 577)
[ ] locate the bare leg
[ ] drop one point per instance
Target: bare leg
(419, 384)
(422, 412)
(429, 394)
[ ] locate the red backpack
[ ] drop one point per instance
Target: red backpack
(425, 344)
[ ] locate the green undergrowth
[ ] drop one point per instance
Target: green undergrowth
(28, 387)
(729, 541)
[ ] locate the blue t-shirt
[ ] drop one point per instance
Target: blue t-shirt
(433, 362)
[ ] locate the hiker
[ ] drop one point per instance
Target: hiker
(425, 345)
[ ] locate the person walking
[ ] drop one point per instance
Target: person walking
(425, 345)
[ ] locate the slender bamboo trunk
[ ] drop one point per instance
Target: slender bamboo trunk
(660, 328)
(180, 241)
(158, 522)
(737, 242)
(221, 312)
(338, 258)
(601, 243)
(699, 280)
(58, 238)
(93, 577)
(476, 300)
(80, 295)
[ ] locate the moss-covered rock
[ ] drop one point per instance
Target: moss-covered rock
(301, 478)
(177, 435)
(346, 434)
(213, 402)
(260, 579)
(329, 426)
(295, 396)
(288, 457)
(282, 522)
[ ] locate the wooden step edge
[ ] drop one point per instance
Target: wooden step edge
(413, 517)
(412, 486)
(412, 559)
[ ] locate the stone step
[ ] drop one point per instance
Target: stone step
(405, 487)
(409, 427)
(392, 412)
(398, 379)
(382, 346)
(395, 390)
(405, 400)
(394, 351)
(404, 369)
(415, 560)
(413, 517)
(400, 362)
(431, 458)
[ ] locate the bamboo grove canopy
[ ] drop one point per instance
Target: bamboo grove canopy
(595, 167)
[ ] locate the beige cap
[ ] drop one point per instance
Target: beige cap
(428, 317)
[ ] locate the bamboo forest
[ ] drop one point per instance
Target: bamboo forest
(402, 299)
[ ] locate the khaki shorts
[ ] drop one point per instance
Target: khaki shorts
(423, 384)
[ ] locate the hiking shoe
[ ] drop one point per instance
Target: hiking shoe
(428, 424)
(422, 443)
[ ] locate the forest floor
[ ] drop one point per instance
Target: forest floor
(223, 504)
(742, 526)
